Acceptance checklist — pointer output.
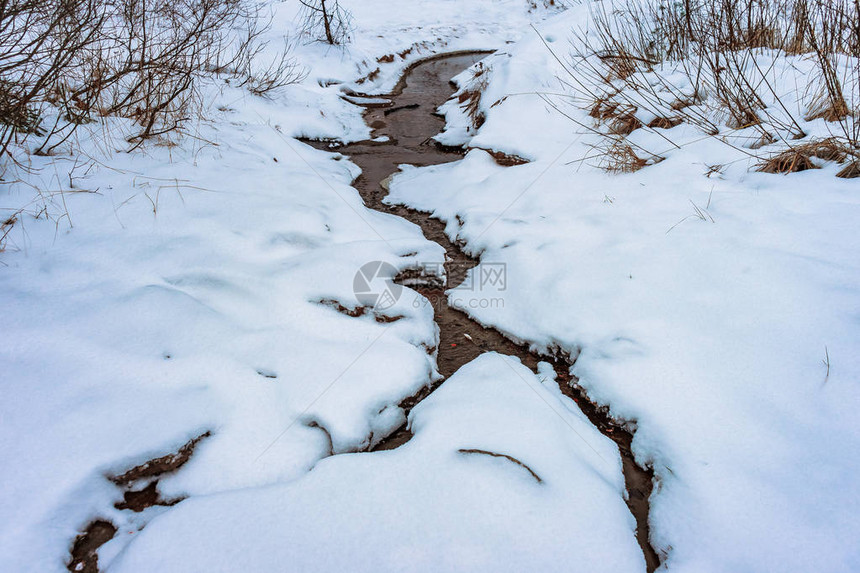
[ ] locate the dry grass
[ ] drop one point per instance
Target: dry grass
(851, 171)
(800, 157)
(717, 46)
(603, 109)
(790, 161)
(620, 118)
(470, 98)
(621, 65)
(665, 122)
(624, 124)
(620, 157)
(828, 108)
(5, 229)
(370, 77)
(763, 139)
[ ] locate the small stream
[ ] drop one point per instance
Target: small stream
(409, 121)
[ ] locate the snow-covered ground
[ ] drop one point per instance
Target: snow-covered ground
(176, 290)
(717, 311)
(438, 503)
(149, 297)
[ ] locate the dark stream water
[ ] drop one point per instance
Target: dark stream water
(409, 121)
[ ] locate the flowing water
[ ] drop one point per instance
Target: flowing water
(409, 120)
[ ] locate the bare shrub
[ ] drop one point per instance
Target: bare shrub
(78, 60)
(259, 74)
(326, 21)
(629, 62)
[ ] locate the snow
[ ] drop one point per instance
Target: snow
(702, 308)
(153, 295)
(127, 340)
(191, 285)
(427, 505)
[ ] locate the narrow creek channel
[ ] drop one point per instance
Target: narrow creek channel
(409, 120)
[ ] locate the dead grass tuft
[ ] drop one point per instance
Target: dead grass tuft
(603, 109)
(620, 118)
(680, 104)
(763, 139)
(789, 161)
(371, 76)
(624, 124)
(800, 158)
(851, 171)
(620, 157)
(622, 65)
(829, 110)
(5, 229)
(665, 122)
(470, 98)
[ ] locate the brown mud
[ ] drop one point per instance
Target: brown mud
(409, 120)
(135, 497)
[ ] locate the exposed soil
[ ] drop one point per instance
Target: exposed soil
(409, 121)
(160, 466)
(84, 551)
(84, 558)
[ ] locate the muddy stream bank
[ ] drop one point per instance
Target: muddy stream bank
(409, 120)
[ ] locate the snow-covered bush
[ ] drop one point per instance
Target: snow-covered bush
(772, 75)
(68, 62)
